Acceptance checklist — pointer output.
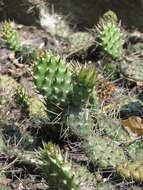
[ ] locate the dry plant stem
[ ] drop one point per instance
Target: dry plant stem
(134, 140)
(9, 165)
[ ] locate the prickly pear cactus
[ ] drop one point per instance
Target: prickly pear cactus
(113, 129)
(84, 82)
(79, 40)
(135, 150)
(103, 151)
(52, 77)
(105, 186)
(130, 106)
(80, 122)
(57, 169)
(131, 68)
(34, 107)
(10, 35)
(110, 37)
(135, 48)
(83, 177)
(132, 170)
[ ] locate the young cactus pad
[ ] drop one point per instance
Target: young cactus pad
(110, 37)
(83, 84)
(52, 77)
(57, 170)
(10, 35)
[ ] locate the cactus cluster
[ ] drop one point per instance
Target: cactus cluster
(10, 35)
(75, 89)
(55, 79)
(110, 36)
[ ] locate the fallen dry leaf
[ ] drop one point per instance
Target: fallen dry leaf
(134, 124)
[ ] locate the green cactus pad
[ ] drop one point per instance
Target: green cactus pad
(103, 151)
(110, 37)
(27, 54)
(113, 129)
(83, 177)
(57, 170)
(52, 77)
(105, 186)
(10, 35)
(131, 68)
(80, 122)
(135, 150)
(35, 107)
(132, 170)
(84, 81)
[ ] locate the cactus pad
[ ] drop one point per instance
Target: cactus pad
(83, 84)
(110, 37)
(131, 68)
(103, 151)
(53, 78)
(133, 170)
(10, 35)
(80, 122)
(113, 129)
(57, 169)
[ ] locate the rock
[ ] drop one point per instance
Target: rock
(83, 13)
(86, 13)
(22, 11)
